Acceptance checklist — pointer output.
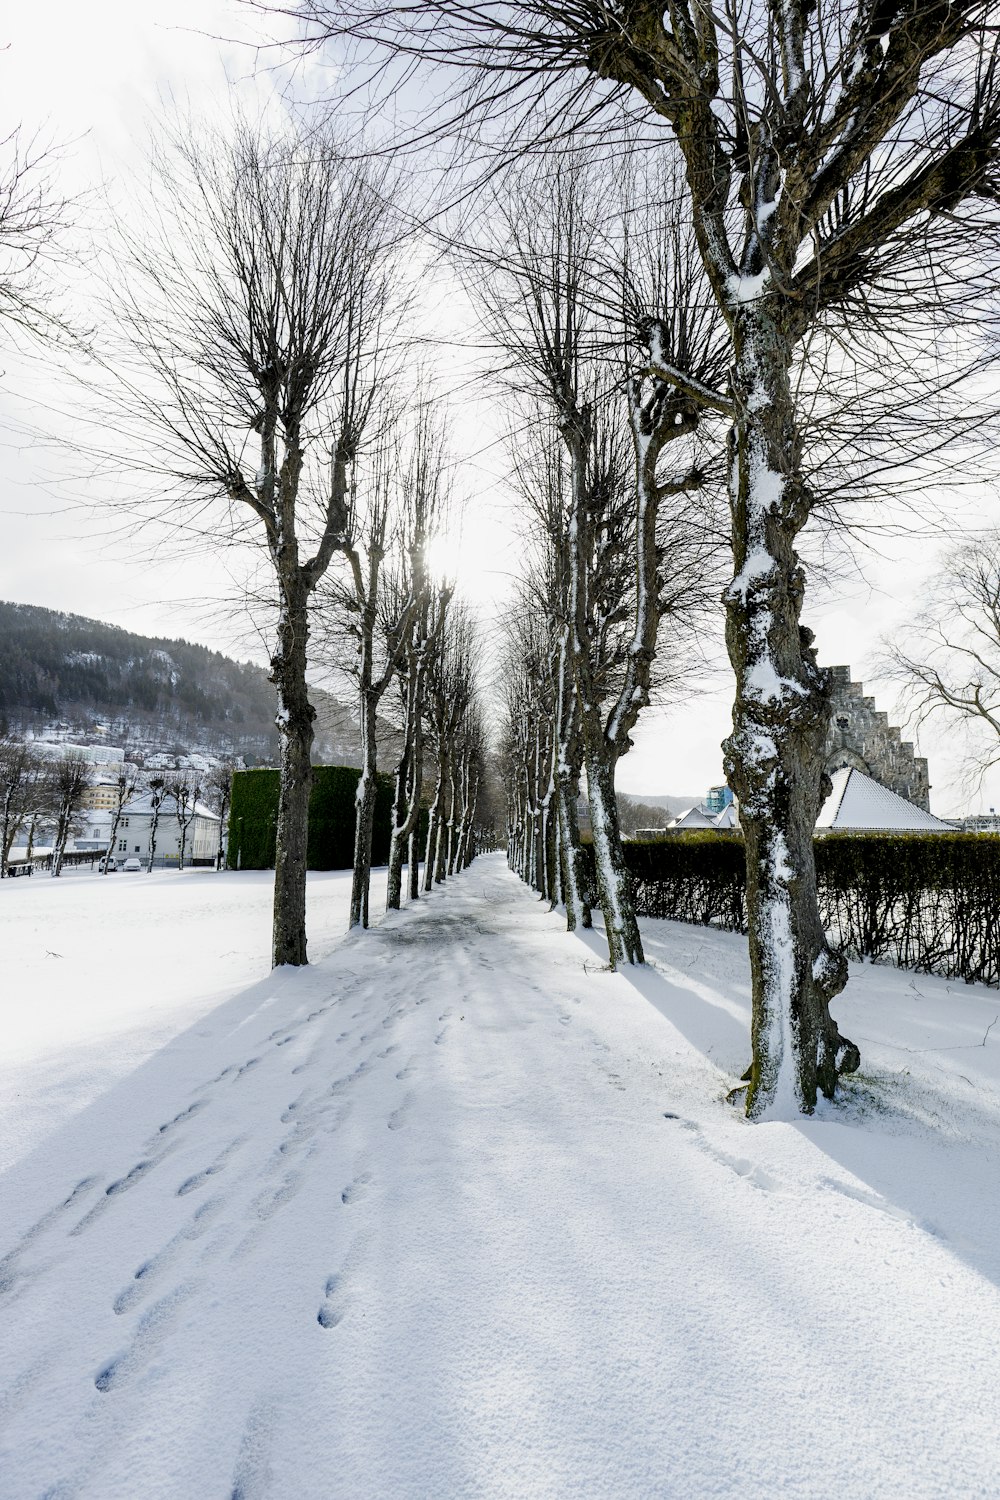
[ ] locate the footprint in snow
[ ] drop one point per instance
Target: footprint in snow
(357, 1189)
(185, 1114)
(150, 1332)
(398, 1118)
(334, 1305)
(9, 1274)
(198, 1179)
(150, 1271)
(114, 1189)
(253, 1476)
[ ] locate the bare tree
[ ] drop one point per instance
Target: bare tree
(451, 694)
(551, 264)
(185, 789)
(33, 218)
(953, 667)
(371, 606)
(67, 781)
(841, 164)
(426, 508)
(127, 783)
(22, 791)
(219, 791)
(253, 314)
(157, 795)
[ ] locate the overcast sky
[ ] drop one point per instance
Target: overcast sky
(96, 77)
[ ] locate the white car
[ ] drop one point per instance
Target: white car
(132, 864)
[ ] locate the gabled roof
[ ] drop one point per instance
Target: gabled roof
(143, 806)
(692, 818)
(859, 802)
(727, 817)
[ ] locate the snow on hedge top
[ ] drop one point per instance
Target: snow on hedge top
(859, 802)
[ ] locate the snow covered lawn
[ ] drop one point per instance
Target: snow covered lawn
(456, 1213)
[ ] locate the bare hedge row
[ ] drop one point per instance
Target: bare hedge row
(929, 902)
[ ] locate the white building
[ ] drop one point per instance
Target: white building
(136, 828)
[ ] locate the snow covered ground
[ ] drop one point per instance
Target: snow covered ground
(457, 1213)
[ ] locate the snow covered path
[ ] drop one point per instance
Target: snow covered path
(455, 1213)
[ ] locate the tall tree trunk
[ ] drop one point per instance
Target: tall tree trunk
(434, 824)
(113, 837)
(365, 815)
(614, 887)
(566, 770)
(220, 853)
(295, 723)
(408, 787)
(574, 876)
(774, 757)
(440, 841)
(63, 819)
(614, 891)
(399, 837)
(451, 843)
(8, 833)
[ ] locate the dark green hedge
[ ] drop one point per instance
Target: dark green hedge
(921, 901)
(254, 811)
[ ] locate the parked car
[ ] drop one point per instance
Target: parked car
(132, 864)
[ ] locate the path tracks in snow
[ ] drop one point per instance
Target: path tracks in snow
(394, 1205)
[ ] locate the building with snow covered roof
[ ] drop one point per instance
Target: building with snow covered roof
(859, 804)
(135, 833)
(692, 817)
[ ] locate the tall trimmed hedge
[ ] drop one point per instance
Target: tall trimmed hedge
(253, 813)
(921, 901)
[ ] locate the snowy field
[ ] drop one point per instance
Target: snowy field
(456, 1213)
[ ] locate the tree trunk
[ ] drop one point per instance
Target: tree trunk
(220, 853)
(408, 787)
(63, 819)
(399, 838)
(613, 885)
(573, 869)
(434, 826)
(113, 837)
(440, 842)
(365, 816)
(295, 723)
(613, 888)
(774, 757)
(567, 789)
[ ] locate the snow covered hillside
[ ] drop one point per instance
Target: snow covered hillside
(457, 1213)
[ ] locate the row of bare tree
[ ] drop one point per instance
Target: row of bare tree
(840, 169)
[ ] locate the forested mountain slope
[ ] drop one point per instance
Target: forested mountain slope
(66, 677)
(63, 670)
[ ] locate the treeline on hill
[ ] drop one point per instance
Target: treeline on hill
(929, 902)
(61, 666)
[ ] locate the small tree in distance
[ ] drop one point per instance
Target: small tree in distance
(67, 779)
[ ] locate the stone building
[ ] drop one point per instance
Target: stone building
(862, 737)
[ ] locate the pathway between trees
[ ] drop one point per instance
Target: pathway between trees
(454, 1214)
